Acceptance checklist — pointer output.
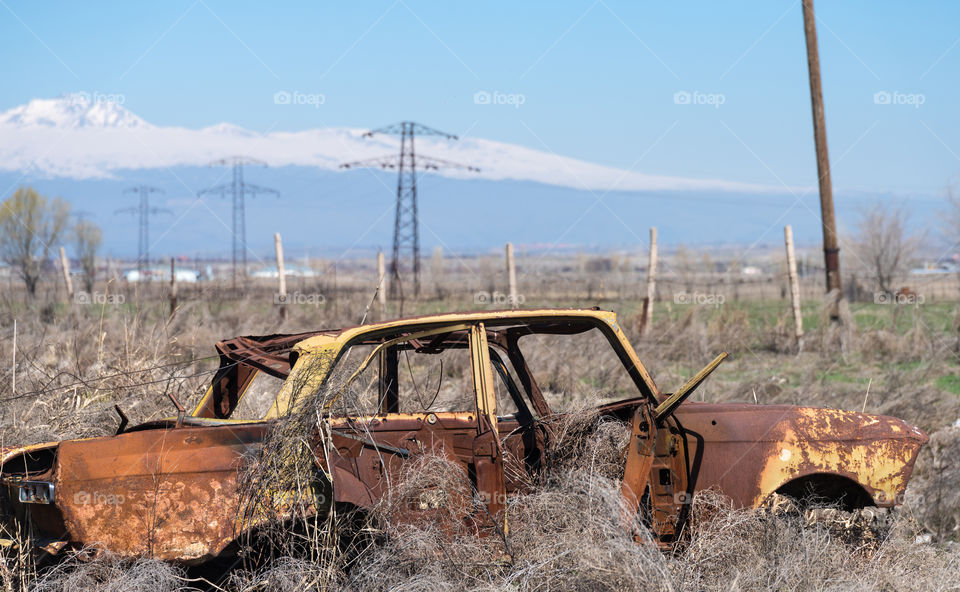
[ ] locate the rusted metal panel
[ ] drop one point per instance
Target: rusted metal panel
(636, 474)
(167, 493)
(751, 451)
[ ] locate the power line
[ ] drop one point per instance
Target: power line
(406, 226)
(238, 189)
(144, 211)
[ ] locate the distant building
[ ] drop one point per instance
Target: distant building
(288, 271)
(160, 274)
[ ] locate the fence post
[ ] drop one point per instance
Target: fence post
(173, 286)
(281, 298)
(646, 316)
(511, 276)
(794, 286)
(381, 285)
(65, 267)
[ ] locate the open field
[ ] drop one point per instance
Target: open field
(76, 361)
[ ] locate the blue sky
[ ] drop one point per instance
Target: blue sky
(597, 78)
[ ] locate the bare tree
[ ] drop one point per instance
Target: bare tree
(883, 243)
(87, 237)
(30, 225)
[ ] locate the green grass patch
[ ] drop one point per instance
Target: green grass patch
(949, 383)
(841, 377)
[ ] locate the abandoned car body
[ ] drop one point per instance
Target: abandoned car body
(480, 388)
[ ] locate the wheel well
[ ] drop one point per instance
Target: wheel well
(827, 489)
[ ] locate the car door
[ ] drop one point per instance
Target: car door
(369, 455)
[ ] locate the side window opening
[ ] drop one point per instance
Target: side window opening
(260, 393)
(507, 387)
(577, 370)
(361, 397)
(421, 377)
(403, 380)
(440, 381)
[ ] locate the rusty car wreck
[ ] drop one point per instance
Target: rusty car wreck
(480, 389)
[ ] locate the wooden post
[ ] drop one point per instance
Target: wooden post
(794, 286)
(334, 294)
(281, 298)
(173, 286)
(511, 276)
(382, 285)
(13, 371)
(65, 267)
(831, 244)
(646, 317)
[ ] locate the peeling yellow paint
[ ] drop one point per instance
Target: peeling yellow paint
(818, 441)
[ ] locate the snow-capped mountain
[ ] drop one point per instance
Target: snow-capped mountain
(81, 136)
(78, 110)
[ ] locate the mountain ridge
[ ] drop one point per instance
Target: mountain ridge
(85, 136)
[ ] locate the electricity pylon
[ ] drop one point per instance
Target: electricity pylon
(238, 189)
(406, 225)
(143, 211)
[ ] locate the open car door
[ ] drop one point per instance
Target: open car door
(656, 480)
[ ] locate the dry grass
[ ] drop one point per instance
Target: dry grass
(564, 534)
(107, 574)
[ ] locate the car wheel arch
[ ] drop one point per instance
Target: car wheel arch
(825, 488)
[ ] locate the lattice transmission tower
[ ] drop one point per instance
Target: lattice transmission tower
(238, 190)
(143, 212)
(406, 225)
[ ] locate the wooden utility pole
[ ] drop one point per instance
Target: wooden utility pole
(794, 286)
(511, 276)
(646, 316)
(173, 286)
(65, 267)
(831, 244)
(281, 276)
(381, 285)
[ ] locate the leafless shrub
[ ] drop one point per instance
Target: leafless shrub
(572, 536)
(286, 499)
(431, 482)
(109, 574)
(792, 550)
(282, 575)
(583, 439)
(883, 244)
(568, 536)
(934, 492)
